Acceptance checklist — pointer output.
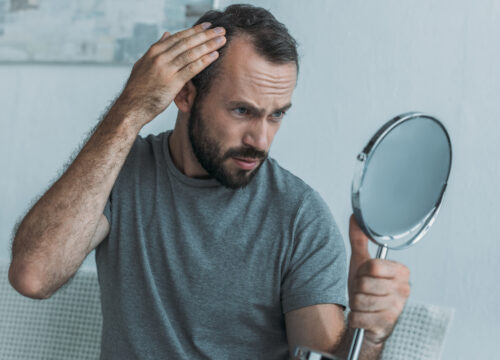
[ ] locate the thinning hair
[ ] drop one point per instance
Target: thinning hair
(269, 37)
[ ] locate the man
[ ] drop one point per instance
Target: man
(205, 247)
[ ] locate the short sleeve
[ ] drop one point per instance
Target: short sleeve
(128, 171)
(317, 268)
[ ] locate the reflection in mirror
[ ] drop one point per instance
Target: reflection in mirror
(405, 176)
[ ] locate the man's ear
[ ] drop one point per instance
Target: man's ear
(185, 98)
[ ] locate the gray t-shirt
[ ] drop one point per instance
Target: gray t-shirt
(193, 270)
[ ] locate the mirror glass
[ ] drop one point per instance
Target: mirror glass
(404, 176)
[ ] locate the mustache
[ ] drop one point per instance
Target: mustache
(246, 152)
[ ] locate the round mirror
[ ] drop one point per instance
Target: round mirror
(399, 182)
(400, 179)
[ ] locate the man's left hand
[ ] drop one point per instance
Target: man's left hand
(378, 289)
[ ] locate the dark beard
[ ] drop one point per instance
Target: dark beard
(208, 153)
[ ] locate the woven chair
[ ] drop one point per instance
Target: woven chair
(419, 333)
(68, 325)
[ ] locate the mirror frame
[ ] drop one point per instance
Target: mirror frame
(413, 235)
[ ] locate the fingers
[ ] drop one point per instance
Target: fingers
(374, 278)
(195, 50)
(373, 286)
(198, 52)
(377, 294)
(378, 325)
(167, 42)
(383, 269)
(370, 294)
(195, 46)
(367, 303)
(190, 70)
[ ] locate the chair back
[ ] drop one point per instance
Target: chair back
(419, 333)
(66, 326)
(69, 324)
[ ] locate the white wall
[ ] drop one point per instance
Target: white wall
(362, 63)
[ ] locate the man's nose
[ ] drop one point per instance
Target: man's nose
(256, 135)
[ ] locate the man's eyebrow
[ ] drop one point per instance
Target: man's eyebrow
(235, 104)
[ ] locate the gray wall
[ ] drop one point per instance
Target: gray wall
(362, 63)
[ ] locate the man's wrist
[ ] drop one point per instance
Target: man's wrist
(123, 116)
(369, 350)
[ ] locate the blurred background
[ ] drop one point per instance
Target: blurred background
(362, 62)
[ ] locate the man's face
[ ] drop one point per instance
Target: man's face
(232, 128)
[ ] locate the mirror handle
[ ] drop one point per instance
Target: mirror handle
(357, 339)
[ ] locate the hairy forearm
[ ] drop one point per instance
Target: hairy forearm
(53, 238)
(368, 351)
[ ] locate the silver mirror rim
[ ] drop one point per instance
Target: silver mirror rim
(363, 159)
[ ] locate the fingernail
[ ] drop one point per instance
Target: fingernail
(219, 30)
(213, 54)
(219, 39)
(206, 25)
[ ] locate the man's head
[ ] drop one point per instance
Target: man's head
(241, 98)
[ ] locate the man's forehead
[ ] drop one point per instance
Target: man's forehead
(243, 69)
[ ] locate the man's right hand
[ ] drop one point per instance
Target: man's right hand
(166, 67)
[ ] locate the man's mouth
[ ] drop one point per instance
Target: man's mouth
(245, 163)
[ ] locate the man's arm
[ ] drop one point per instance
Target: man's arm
(368, 351)
(318, 327)
(68, 222)
(55, 236)
(321, 328)
(378, 290)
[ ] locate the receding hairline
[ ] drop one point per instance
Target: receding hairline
(238, 36)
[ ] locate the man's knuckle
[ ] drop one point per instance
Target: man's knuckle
(363, 285)
(405, 290)
(204, 48)
(390, 317)
(175, 38)
(192, 67)
(406, 271)
(192, 55)
(153, 51)
(181, 46)
(356, 301)
(157, 63)
(373, 267)
(206, 60)
(371, 301)
(154, 47)
(187, 57)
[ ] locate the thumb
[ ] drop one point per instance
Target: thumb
(359, 247)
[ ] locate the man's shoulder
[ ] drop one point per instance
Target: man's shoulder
(144, 158)
(145, 147)
(284, 184)
(291, 190)
(149, 141)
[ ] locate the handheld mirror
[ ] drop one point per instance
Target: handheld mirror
(398, 185)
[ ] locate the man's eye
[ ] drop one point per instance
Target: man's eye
(279, 114)
(241, 111)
